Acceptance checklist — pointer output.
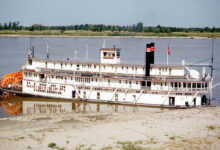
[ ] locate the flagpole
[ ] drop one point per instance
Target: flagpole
(167, 55)
(48, 51)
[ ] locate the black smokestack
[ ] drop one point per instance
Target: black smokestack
(147, 60)
(152, 48)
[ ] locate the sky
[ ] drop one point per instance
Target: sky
(176, 13)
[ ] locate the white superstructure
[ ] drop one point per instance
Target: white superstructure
(110, 81)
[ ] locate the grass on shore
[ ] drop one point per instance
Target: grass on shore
(107, 33)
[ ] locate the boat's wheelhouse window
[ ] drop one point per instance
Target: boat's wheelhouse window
(30, 61)
(41, 76)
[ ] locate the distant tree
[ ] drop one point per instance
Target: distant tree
(5, 26)
(9, 25)
(63, 28)
(140, 27)
(15, 25)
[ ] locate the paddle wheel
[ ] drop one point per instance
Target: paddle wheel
(10, 81)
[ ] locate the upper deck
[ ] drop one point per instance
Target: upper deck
(163, 78)
(156, 71)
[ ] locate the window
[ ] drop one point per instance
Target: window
(30, 61)
(41, 76)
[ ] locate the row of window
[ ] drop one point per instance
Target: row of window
(90, 66)
(88, 80)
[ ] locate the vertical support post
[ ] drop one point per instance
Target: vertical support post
(210, 101)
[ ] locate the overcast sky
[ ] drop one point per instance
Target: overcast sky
(179, 13)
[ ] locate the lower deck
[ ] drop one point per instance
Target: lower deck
(145, 97)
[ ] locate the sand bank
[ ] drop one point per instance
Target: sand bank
(151, 128)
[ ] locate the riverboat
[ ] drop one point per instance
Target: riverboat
(112, 82)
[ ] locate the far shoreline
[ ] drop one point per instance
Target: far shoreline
(89, 36)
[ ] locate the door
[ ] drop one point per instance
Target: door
(73, 94)
(171, 101)
(98, 95)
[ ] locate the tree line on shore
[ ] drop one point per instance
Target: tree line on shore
(101, 27)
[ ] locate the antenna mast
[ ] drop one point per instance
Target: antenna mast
(212, 60)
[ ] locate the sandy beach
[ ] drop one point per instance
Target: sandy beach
(151, 128)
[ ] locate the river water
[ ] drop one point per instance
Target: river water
(13, 52)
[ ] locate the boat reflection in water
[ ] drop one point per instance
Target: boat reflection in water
(30, 105)
(11, 108)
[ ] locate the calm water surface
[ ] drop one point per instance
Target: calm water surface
(13, 52)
